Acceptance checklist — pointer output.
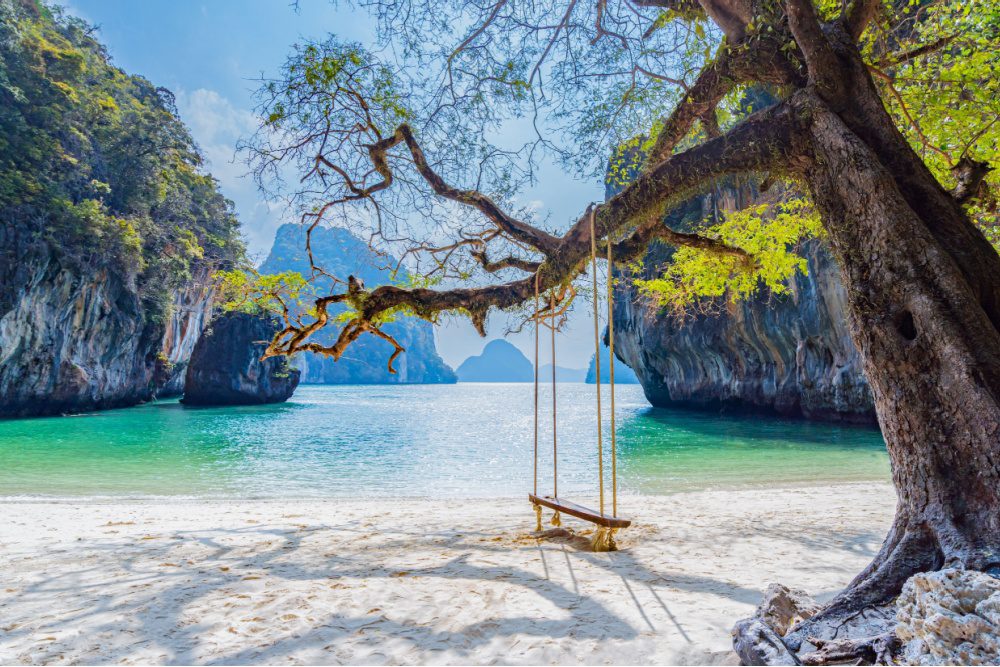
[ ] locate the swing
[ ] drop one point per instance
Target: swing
(607, 524)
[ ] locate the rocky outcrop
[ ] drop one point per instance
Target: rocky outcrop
(190, 313)
(499, 362)
(782, 607)
(791, 355)
(788, 354)
(226, 369)
(109, 227)
(950, 617)
(340, 253)
(72, 343)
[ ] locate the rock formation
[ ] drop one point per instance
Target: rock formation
(623, 374)
(72, 343)
(340, 253)
(499, 362)
(226, 369)
(109, 229)
(790, 354)
(945, 617)
(950, 617)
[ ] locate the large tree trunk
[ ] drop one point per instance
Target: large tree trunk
(924, 301)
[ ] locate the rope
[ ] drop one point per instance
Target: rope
(555, 461)
(536, 385)
(597, 358)
(611, 378)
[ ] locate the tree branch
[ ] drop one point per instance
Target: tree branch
(821, 61)
(509, 262)
(635, 245)
(770, 139)
(712, 84)
(893, 59)
(516, 229)
(859, 14)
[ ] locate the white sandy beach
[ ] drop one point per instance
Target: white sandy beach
(413, 581)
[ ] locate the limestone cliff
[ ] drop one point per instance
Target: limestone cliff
(72, 343)
(226, 369)
(340, 253)
(790, 355)
(623, 374)
(109, 226)
(189, 315)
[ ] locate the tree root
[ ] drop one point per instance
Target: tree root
(863, 608)
(874, 650)
(857, 626)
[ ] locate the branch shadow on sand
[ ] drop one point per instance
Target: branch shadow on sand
(161, 582)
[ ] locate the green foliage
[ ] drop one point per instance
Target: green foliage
(95, 164)
(947, 101)
(770, 233)
(248, 292)
(326, 82)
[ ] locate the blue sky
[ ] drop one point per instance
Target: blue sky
(210, 54)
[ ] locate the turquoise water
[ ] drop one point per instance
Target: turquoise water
(418, 440)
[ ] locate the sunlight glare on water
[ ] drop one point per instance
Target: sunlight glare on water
(420, 441)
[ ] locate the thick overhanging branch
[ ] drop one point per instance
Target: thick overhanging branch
(768, 140)
(635, 244)
(730, 15)
(509, 262)
(735, 63)
(713, 83)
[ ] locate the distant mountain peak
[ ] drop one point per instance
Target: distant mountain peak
(500, 361)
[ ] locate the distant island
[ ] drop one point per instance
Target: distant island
(340, 253)
(501, 361)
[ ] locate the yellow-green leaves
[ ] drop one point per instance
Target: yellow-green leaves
(770, 233)
(947, 100)
(270, 293)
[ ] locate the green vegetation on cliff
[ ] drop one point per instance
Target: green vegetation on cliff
(96, 169)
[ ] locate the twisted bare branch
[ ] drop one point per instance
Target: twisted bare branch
(765, 141)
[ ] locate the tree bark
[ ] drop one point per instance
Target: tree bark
(923, 286)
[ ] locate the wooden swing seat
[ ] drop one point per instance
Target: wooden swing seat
(579, 511)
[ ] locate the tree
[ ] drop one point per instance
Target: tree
(923, 281)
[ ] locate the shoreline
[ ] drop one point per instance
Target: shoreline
(396, 580)
(141, 500)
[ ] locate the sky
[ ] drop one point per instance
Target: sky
(211, 54)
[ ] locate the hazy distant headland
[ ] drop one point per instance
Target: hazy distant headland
(501, 361)
(623, 374)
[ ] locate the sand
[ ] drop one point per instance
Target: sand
(413, 581)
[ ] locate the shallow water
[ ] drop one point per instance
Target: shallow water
(418, 440)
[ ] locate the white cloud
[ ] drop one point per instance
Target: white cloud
(213, 119)
(217, 126)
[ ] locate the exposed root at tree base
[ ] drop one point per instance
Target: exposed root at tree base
(859, 625)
